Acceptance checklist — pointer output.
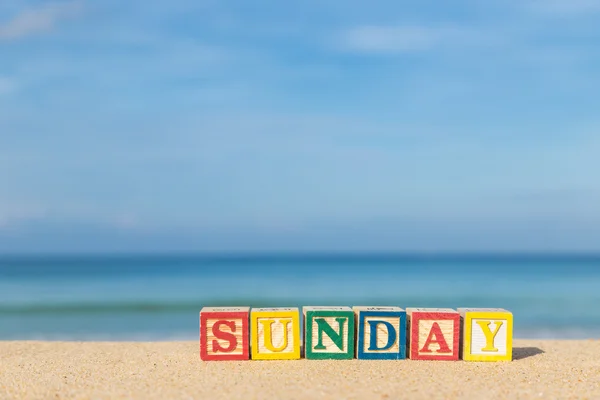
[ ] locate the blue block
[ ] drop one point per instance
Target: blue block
(381, 333)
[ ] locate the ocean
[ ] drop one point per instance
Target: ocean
(159, 297)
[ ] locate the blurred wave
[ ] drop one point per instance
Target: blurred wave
(158, 298)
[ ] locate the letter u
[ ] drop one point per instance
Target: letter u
(268, 335)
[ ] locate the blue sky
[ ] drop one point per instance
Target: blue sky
(323, 125)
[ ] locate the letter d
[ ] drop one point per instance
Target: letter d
(391, 335)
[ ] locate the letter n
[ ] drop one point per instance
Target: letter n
(336, 337)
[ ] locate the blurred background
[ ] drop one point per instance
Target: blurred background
(157, 157)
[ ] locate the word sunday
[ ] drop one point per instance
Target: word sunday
(368, 333)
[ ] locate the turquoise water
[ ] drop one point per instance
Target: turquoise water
(158, 298)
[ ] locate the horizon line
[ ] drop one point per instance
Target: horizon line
(310, 255)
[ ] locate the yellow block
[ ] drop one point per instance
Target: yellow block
(487, 334)
(275, 333)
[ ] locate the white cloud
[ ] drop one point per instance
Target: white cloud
(396, 39)
(566, 7)
(7, 85)
(10, 215)
(125, 221)
(38, 20)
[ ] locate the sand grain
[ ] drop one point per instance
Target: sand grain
(58, 370)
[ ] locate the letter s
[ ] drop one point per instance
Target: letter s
(228, 336)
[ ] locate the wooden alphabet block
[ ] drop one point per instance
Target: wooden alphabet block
(328, 333)
(381, 333)
(224, 333)
(487, 334)
(275, 333)
(433, 333)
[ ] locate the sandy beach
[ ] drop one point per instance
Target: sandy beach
(161, 370)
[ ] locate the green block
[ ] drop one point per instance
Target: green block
(328, 333)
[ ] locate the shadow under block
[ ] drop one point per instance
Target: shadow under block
(328, 333)
(381, 333)
(487, 334)
(275, 333)
(224, 333)
(433, 333)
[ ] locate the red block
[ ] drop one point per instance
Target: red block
(224, 333)
(433, 333)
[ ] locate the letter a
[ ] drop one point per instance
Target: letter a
(439, 339)
(489, 335)
(219, 334)
(269, 337)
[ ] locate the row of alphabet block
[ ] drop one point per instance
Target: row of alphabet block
(375, 333)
